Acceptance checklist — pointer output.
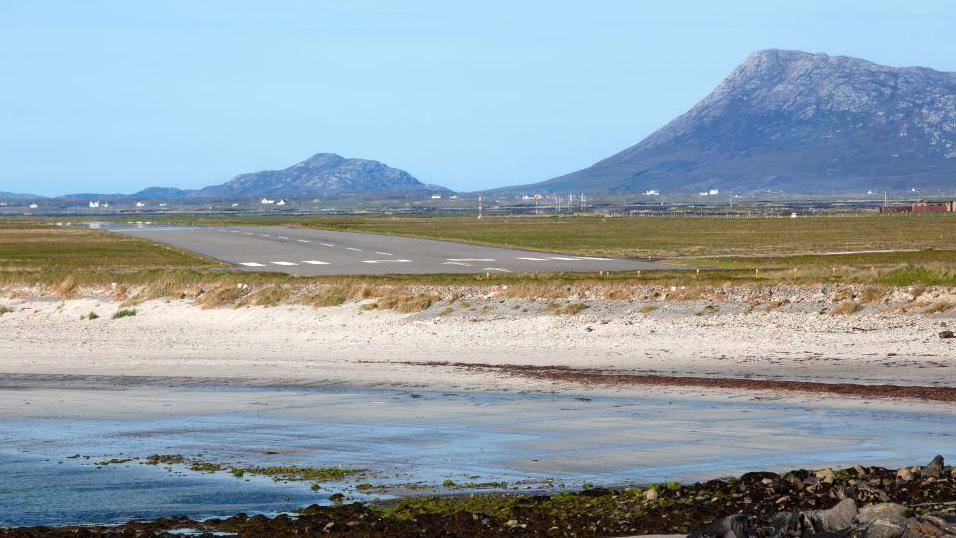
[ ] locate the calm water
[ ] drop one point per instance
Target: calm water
(527, 440)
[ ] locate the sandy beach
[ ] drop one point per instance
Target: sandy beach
(346, 344)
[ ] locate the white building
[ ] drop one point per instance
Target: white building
(281, 202)
(436, 197)
(94, 204)
(266, 201)
(713, 192)
(34, 206)
(652, 192)
(140, 204)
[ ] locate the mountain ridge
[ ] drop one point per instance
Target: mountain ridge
(799, 122)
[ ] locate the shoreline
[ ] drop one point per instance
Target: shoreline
(854, 502)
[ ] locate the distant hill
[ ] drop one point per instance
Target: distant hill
(19, 196)
(795, 122)
(323, 174)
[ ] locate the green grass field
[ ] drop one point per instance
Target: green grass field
(764, 250)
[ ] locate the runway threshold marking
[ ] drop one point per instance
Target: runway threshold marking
(315, 262)
(284, 263)
(386, 261)
(252, 264)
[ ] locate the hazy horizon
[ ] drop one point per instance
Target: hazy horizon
(114, 97)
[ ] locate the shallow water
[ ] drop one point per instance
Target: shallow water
(527, 440)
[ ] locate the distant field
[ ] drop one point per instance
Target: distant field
(765, 250)
(664, 237)
(25, 248)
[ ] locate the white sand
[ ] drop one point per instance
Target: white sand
(294, 344)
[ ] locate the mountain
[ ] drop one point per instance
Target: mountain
(323, 174)
(19, 196)
(796, 122)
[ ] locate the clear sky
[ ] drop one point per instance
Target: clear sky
(117, 95)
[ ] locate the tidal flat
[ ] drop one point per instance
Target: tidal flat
(57, 434)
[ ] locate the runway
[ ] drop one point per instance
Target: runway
(310, 252)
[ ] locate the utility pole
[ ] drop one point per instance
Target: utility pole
(479, 207)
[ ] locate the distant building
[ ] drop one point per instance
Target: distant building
(94, 204)
(921, 207)
(436, 197)
(266, 201)
(281, 202)
(34, 206)
(652, 192)
(140, 204)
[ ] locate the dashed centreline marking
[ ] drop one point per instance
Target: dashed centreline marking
(471, 259)
(252, 264)
(533, 259)
(386, 261)
(315, 262)
(385, 253)
(284, 263)
(286, 238)
(353, 248)
(303, 240)
(327, 244)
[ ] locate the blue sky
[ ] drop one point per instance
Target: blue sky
(114, 96)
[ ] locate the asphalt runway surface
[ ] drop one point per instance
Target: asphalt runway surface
(312, 252)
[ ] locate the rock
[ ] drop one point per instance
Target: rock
(884, 528)
(838, 518)
(825, 475)
(860, 471)
(932, 524)
(651, 495)
(935, 468)
(766, 481)
(783, 500)
(735, 526)
(947, 334)
(905, 474)
(892, 512)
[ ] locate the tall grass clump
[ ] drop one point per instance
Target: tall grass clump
(124, 313)
(846, 308)
(221, 296)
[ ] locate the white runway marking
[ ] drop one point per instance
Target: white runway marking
(286, 238)
(593, 258)
(327, 244)
(315, 262)
(249, 233)
(386, 261)
(534, 259)
(565, 258)
(471, 259)
(353, 248)
(265, 235)
(457, 263)
(284, 263)
(303, 240)
(233, 231)
(499, 269)
(385, 253)
(253, 264)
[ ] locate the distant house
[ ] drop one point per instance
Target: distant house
(921, 207)
(140, 204)
(34, 206)
(436, 197)
(281, 202)
(94, 204)
(652, 192)
(266, 201)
